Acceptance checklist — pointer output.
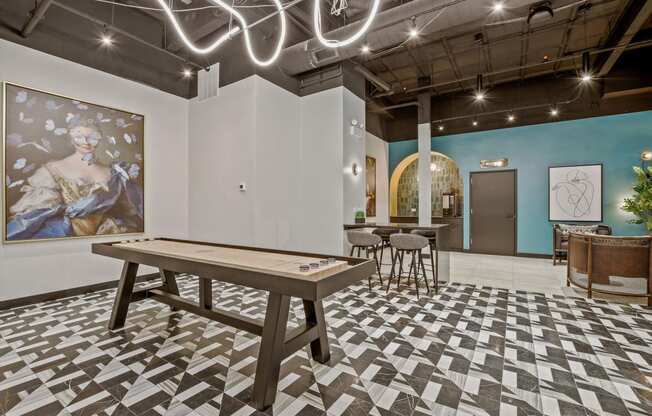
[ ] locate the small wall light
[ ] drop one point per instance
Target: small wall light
(355, 169)
(646, 155)
(497, 163)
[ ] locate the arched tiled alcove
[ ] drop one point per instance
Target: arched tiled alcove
(403, 187)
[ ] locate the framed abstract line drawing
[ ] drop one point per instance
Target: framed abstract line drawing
(72, 169)
(575, 193)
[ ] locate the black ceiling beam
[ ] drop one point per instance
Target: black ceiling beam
(634, 17)
(36, 17)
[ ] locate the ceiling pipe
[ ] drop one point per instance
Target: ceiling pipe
(395, 106)
(390, 28)
(373, 78)
(571, 100)
(38, 14)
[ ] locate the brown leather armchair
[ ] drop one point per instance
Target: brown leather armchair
(610, 262)
(560, 237)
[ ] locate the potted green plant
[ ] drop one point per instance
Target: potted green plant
(359, 217)
(640, 205)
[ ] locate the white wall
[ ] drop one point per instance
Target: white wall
(33, 268)
(289, 150)
(221, 155)
(353, 152)
(379, 149)
(321, 171)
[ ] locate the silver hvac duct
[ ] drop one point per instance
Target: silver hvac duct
(390, 28)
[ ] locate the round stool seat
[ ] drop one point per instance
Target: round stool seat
(385, 232)
(363, 239)
(425, 233)
(408, 241)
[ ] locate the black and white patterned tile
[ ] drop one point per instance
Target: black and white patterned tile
(467, 351)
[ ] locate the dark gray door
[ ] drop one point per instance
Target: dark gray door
(493, 212)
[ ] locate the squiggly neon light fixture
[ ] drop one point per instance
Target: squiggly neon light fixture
(234, 30)
(245, 28)
(339, 43)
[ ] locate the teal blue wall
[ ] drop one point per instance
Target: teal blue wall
(614, 141)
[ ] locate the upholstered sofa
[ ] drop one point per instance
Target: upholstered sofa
(560, 234)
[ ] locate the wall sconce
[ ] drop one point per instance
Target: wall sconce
(355, 169)
(356, 129)
(497, 163)
(646, 155)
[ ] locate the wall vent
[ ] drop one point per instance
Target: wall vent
(208, 82)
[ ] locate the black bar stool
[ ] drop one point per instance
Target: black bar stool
(384, 234)
(362, 240)
(431, 235)
(412, 244)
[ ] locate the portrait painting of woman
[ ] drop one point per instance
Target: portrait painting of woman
(72, 169)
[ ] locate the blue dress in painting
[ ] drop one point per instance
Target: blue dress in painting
(54, 206)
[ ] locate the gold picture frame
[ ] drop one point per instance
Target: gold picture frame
(137, 133)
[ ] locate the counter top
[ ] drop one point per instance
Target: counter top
(402, 226)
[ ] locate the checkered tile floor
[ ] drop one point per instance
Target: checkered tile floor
(468, 351)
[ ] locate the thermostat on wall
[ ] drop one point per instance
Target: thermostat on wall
(243, 186)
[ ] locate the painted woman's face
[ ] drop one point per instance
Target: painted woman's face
(85, 139)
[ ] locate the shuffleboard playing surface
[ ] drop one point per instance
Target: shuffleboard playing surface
(272, 263)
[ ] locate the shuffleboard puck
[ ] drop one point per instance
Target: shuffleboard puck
(314, 265)
(304, 268)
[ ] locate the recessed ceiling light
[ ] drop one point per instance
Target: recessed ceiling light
(475, 123)
(106, 40)
(365, 49)
(511, 118)
(498, 6)
(440, 128)
(554, 112)
(187, 73)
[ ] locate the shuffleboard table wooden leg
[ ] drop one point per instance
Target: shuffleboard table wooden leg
(169, 279)
(315, 316)
(205, 293)
(123, 296)
(271, 350)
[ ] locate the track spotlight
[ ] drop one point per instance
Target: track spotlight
(414, 30)
(479, 90)
(187, 73)
(586, 74)
(511, 118)
(554, 111)
(475, 123)
(498, 7)
(106, 39)
(365, 48)
(440, 128)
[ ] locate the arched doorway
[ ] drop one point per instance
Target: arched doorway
(403, 187)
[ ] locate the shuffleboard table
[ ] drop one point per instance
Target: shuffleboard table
(278, 272)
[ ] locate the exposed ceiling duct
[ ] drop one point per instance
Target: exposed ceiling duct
(391, 26)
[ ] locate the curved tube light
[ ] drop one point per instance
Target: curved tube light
(226, 36)
(329, 43)
(185, 38)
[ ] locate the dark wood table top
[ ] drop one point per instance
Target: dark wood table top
(401, 226)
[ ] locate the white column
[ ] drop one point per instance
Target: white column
(424, 174)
